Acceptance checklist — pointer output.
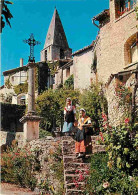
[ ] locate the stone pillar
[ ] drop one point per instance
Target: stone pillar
(31, 88)
(31, 120)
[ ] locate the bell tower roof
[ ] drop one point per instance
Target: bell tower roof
(56, 35)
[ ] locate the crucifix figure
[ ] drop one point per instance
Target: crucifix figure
(32, 42)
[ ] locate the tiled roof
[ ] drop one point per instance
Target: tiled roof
(67, 65)
(100, 15)
(14, 70)
(83, 49)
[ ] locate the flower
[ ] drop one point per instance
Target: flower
(81, 178)
(16, 154)
(76, 171)
(106, 184)
(104, 117)
(126, 120)
(131, 178)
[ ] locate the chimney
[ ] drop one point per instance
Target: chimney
(21, 62)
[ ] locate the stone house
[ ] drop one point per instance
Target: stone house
(116, 50)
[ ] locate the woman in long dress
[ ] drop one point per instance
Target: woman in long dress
(69, 116)
(80, 144)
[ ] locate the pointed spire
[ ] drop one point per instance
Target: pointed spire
(56, 34)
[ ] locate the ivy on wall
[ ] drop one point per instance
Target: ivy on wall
(69, 83)
(21, 88)
(8, 83)
(53, 67)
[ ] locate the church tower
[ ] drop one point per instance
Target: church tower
(56, 46)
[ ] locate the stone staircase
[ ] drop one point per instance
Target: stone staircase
(76, 171)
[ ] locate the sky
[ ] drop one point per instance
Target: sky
(34, 16)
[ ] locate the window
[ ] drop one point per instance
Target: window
(46, 55)
(68, 72)
(61, 54)
(131, 50)
(22, 100)
(123, 6)
(134, 53)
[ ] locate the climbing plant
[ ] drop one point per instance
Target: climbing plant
(69, 83)
(21, 88)
(8, 83)
(53, 67)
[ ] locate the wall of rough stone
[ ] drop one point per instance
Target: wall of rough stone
(112, 38)
(82, 69)
(7, 138)
(45, 149)
(116, 113)
(58, 77)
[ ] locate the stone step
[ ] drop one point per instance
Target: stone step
(76, 186)
(77, 171)
(67, 138)
(72, 178)
(68, 151)
(71, 159)
(94, 137)
(68, 166)
(74, 192)
(98, 148)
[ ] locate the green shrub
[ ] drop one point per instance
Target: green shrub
(18, 166)
(50, 105)
(69, 83)
(94, 102)
(122, 148)
(44, 133)
(103, 181)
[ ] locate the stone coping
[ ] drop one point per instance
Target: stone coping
(29, 117)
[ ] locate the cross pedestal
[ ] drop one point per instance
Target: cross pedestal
(31, 120)
(30, 127)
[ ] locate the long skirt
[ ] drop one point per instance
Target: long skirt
(67, 127)
(80, 141)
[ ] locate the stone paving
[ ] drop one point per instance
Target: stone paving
(12, 189)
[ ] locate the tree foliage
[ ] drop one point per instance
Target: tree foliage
(50, 105)
(69, 83)
(5, 13)
(94, 102)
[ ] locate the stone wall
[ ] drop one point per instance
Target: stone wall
(116, 113)
(45, 149)
(8, 137)
(110, 48)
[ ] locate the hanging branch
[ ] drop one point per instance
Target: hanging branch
(5, 13)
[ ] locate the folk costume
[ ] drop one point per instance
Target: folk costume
(69, 117)
(80, 145)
